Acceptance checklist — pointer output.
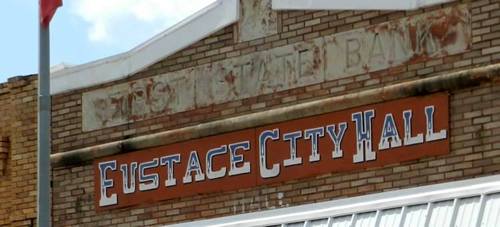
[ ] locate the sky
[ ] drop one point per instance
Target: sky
(83, 30)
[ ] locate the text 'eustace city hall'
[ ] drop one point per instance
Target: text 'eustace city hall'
(270, 113)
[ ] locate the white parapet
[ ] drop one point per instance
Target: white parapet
(211, 19)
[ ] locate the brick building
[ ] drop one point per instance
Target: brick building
(18, 151)
(247, 115)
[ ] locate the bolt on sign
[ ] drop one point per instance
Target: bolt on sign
(407, 40)
(353, 139)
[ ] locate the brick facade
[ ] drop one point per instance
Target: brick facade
(67, 106)
(474, 126)
(474, 130)
(18, 151)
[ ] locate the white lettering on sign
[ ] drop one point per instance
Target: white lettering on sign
(106, 183)
(214, 174)
(408, 139)
(236, 158)
(128, 177)
(430, 135)
(417, 38)
(292, 138)
(390, 136)
(263, 138)
(193, 167)
(148, 181)
(364, 150)
(197, 171)
(337, 138)
(169, 161)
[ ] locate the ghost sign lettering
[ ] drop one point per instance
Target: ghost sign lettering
(354, 139)
(407, 40)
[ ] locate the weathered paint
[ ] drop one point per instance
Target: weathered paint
(413, 39)
(221, 162)
(444, 82)
(265, 72)
(408, 40)
(137, 100)
(257, 20)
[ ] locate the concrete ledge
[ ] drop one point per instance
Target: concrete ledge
(449, 81)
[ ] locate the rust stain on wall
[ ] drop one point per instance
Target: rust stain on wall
(257, 20)
(408, 40)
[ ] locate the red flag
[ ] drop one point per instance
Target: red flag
(47, 10)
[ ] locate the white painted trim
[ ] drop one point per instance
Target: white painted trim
(360, 204)
(354, 4)
(210, 19)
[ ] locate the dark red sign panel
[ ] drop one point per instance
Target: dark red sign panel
(353, 139)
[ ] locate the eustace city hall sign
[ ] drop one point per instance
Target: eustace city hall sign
(353, 139)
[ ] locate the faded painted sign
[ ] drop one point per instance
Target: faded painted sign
(407, 40)
(354, 139)
(257, 20)
(413, 39)
(137, 100)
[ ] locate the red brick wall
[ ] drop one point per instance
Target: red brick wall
(474, 123)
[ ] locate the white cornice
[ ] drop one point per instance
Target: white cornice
(205, 22)
(196, 27)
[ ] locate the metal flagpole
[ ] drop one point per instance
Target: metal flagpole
(44, 108)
